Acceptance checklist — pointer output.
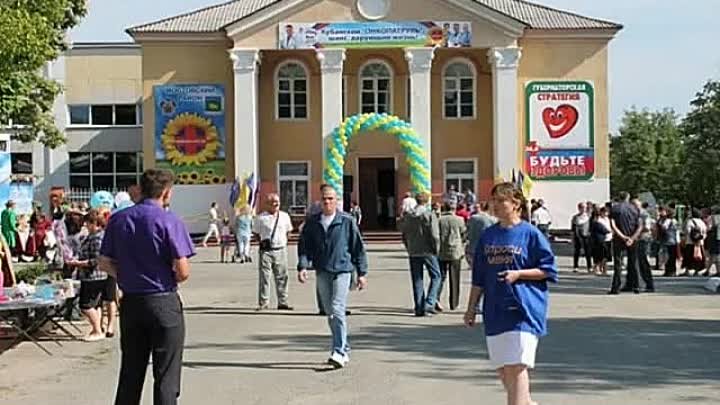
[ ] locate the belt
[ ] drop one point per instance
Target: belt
(272, 249)
(150, 294)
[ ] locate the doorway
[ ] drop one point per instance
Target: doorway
(377, 193)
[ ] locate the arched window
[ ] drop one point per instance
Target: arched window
(375, 88)
(459, 90)
(291, 88)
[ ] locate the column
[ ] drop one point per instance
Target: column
(246, 143)
(331, 80)
(420, 63)
(506, 136)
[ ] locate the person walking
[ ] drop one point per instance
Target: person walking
(356, 212)
(408, 204)
(332, 242)
(147, 248)
(668, 237)
(626, 226)
(273, 227)
(452, 237)
(541, 218)
(213, 221)
(476, 226)
(513, 265)
(421, 237)
(243, 233)
(580, 228)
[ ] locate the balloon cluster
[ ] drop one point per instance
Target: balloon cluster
(104, 201)
(409, 142)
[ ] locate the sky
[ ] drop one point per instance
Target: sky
(661, 59)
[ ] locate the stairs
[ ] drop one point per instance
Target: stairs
(370, 237)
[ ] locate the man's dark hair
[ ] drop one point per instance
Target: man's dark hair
(326, 186)
(154, 181)
(213, 204)
(623, 196)
(645, 205)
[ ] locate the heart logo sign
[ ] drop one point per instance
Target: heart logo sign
(560, 121)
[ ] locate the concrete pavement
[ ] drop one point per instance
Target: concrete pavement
(630, 349)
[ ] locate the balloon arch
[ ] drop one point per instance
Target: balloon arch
(410, 144)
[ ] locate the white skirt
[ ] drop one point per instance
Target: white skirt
(512, 348)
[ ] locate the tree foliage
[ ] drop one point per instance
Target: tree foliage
(701, 130)
(648, 155)
(32, 32)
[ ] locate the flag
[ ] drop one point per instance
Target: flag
(526, 184)
(514, 179)
(252, 186)
(234, 192)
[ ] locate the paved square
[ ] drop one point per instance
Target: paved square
(655, 349)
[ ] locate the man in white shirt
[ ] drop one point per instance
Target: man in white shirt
(541, 218)
(273, 227)
(408, 203)
(212, 225)
(289, 41)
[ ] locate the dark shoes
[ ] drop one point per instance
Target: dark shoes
(284, 307)
(613, 292)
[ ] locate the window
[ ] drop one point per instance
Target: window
(459, 89)
(292, 91)
(79, 114)
(105, 114)
(375, 88)
(101, 114)
(293, 182)
(126, 114)
(21, 163)
(461, 174)
(105, 170)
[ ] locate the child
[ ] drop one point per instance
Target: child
(243, 231)
(24, 241)
(93, 281)
(513, 263)
(226, 240)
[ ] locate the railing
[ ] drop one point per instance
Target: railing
(83, 195)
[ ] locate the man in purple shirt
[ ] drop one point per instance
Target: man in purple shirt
(147, 249)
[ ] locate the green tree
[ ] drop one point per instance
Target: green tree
(648, 155)
(32, 32)
(701, 129)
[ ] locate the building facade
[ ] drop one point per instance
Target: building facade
(525, 89)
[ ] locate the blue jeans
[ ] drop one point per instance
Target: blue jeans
(333, 289)
(417, 265)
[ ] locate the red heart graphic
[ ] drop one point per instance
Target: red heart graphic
(560, 121)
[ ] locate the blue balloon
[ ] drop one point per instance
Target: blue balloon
(102, 199)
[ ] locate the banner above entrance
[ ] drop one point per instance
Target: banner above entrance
(378, 34)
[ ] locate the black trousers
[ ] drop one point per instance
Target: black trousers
(151, 324)
(582, 243)
(452, 267)
(644, 263)
(671, 264)
(631, 279)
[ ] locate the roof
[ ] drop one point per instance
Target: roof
(216, 17)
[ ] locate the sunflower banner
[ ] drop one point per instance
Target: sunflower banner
(190, 132)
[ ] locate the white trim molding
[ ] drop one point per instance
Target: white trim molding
(246, 142)
(267, 15)
(506, 136)
(420, 65)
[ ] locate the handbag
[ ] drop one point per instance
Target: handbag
(266, 244)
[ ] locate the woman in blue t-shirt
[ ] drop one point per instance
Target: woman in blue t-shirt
(513, 263)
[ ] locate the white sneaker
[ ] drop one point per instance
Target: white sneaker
(338, 360)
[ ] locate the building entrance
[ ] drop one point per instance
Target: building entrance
(377, 193)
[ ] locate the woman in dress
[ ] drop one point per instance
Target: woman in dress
(512, 266)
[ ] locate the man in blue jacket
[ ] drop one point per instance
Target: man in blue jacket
(331, 241)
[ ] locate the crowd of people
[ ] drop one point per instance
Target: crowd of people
(629, 233)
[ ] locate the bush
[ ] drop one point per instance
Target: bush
(31, 272)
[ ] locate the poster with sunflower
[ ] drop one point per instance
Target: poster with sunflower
(190, 131)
